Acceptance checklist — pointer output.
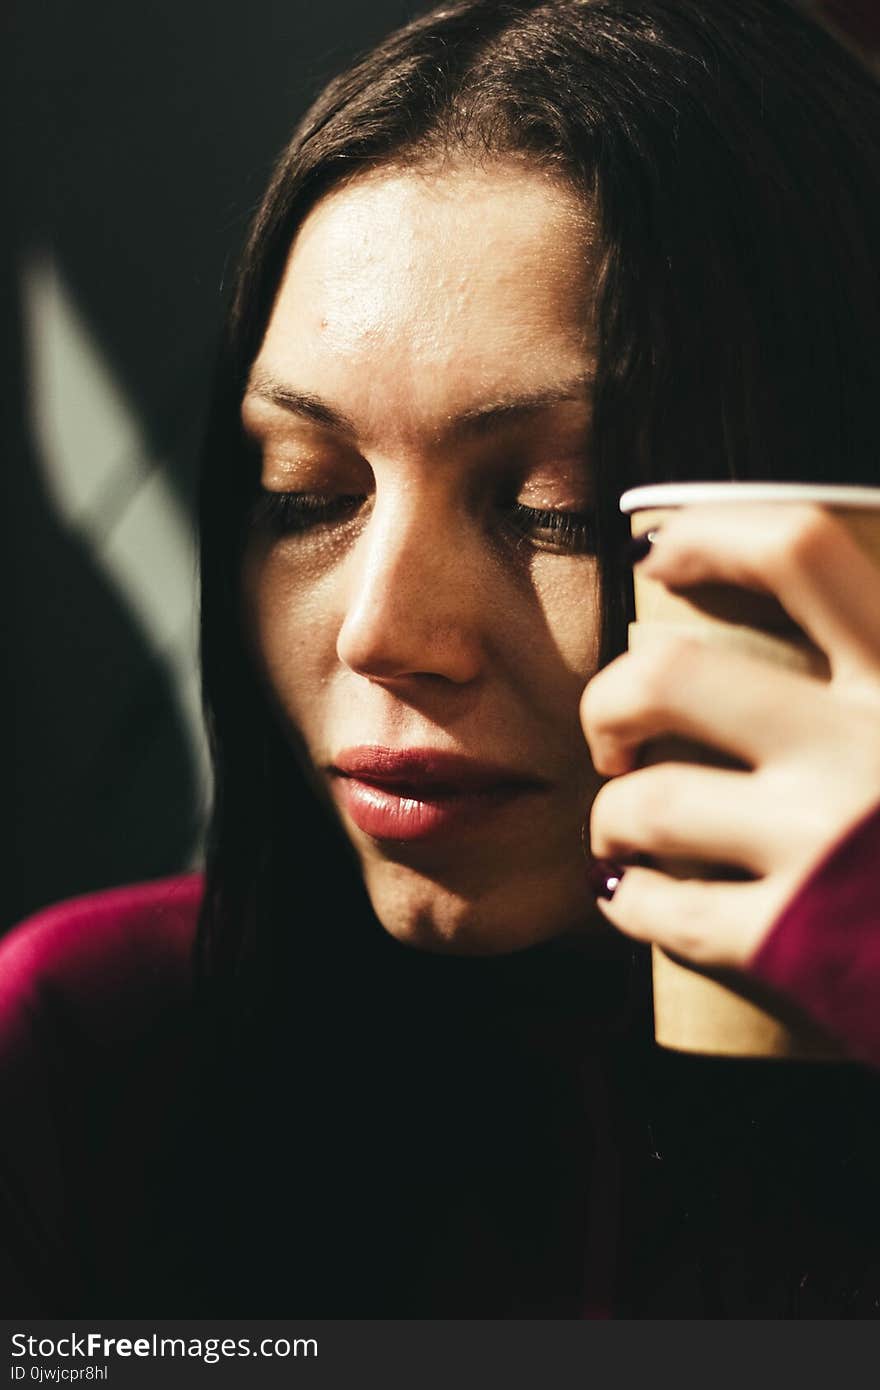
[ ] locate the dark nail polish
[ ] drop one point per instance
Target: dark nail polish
(604, 876)
(638, 548)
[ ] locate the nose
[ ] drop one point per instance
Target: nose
(413, 601)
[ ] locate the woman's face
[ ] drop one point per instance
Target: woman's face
(420, 585)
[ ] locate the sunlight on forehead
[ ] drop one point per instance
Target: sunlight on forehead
(412, 303)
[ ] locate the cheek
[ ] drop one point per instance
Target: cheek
(569, 600)
(289, 629)
(542, 638)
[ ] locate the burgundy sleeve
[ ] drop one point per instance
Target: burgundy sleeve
(81, 985)
(823, 951)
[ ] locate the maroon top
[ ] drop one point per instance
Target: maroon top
(824, 950)
(91, 992)
(85, 986)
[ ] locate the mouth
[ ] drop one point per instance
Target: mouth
(422, 794)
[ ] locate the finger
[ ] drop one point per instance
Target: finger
(676, 810)
(677, 684)
(705, 923)
(804, 555)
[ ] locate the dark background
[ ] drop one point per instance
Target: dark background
(139, 141)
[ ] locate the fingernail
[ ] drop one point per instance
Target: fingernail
(639, 548)
(604, 876)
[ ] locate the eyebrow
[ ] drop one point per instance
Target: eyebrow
(484, 419)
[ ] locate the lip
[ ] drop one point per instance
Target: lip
(422, 793)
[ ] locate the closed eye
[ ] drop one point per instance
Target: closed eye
(288, 513)
(573, 532)
(284, 513)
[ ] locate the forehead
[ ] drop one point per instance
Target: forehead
(424, 286)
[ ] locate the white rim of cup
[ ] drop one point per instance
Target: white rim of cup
(708, 494)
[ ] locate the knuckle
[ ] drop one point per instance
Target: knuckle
(636, 694)
(667, 665)
(597, 821)
(634, 809)
(604, 697)
(807, 533)
(602, 815)
(689, 936)
(653, 800)
(591, 704)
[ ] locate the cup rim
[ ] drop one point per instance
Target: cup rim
(653, 495)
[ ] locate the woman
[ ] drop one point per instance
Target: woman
(517, 259)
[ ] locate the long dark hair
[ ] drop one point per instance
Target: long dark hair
(731, 152)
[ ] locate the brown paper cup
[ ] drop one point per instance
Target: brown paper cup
(716, 1012)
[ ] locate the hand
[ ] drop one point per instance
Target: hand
(810, 748)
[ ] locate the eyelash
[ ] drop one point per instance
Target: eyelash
(291, 513)
(571, 531)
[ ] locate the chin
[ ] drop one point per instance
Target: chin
(428, 917)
